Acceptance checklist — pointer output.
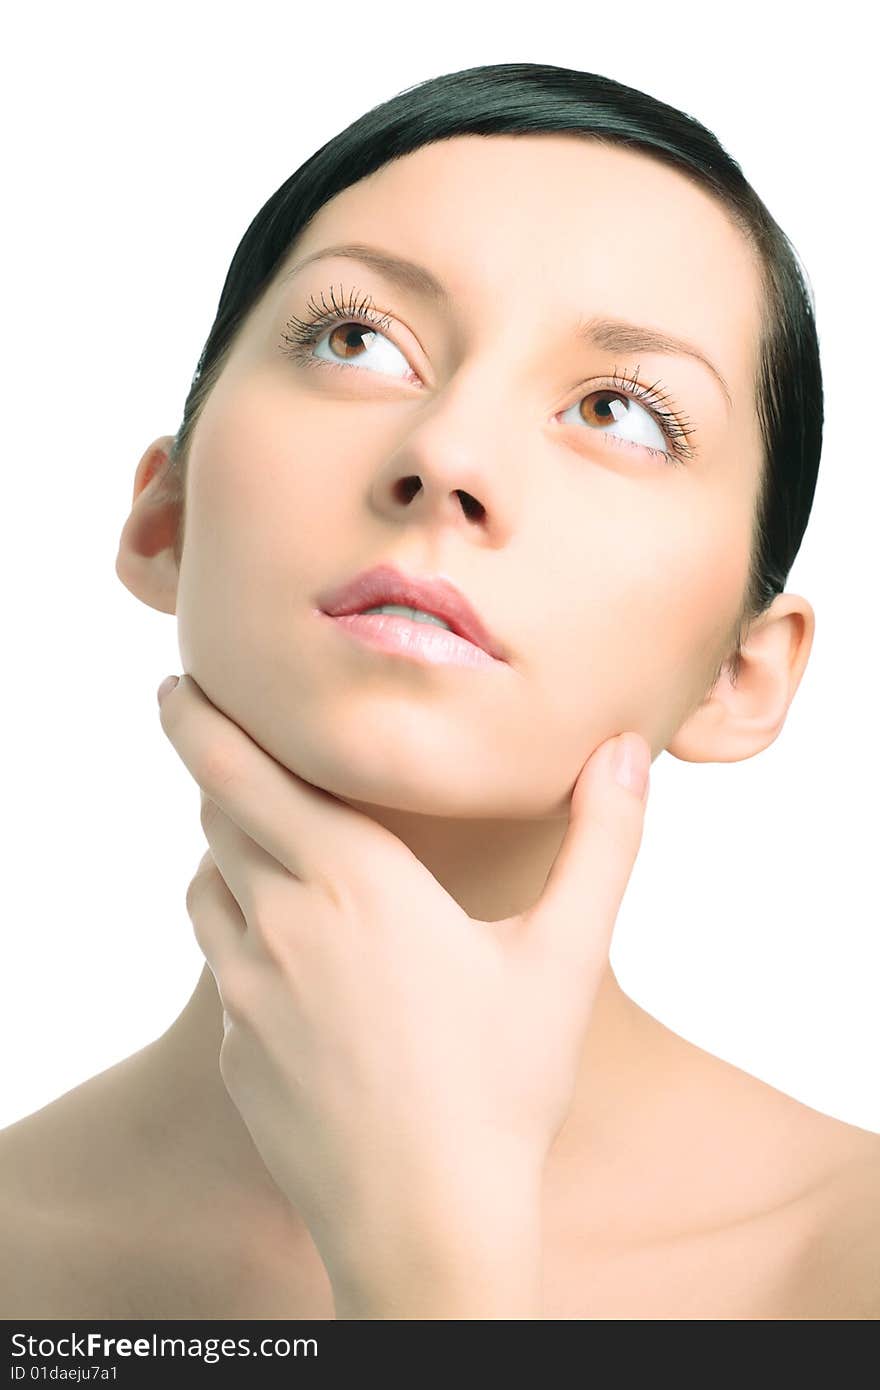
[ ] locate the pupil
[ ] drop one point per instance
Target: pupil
(350, 333)
(601, 407)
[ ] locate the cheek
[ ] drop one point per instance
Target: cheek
(253, 461)
(642, 628)
(251, 524)
(703, 591)
(265, 492)
(687, 626)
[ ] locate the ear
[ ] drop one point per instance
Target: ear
(146, 562)
(738, 719)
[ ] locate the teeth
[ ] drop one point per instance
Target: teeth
(414, 614)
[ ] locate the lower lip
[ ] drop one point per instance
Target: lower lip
(425, 642)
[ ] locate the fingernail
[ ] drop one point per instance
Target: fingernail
(632, 762)
(168, 684)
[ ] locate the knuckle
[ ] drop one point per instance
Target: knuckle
(208, 813)
(231, 1058)
(344, 895)
(196, 889)
(201, 937)
(271, 924)
(205, 935)
(239, 991)
(201, 907)
(263, 924)
(219, 768)
(334, 894)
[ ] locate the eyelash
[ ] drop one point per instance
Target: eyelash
(301, 335)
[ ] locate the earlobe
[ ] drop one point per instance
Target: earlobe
(741, 717)
(146, 563)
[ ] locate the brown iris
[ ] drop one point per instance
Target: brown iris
(342, 339)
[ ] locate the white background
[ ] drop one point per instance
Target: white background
(139, 144)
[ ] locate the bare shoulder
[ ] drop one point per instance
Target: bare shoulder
(94, 1227)
(31, 1219)
(28, 1256)
(58, 1232)
(28, 1250)
(67, 1250)
(838, 1271)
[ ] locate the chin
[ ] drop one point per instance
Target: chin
(421, 785)
(423, 791)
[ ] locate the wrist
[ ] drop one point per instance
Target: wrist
(476, 1254)
(502, 1280)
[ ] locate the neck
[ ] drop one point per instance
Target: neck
(491, 875)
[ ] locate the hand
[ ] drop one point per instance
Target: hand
(384, 1048)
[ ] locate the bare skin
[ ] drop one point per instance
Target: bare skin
(679, 1186)
(701, 1193)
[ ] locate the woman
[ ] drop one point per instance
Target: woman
(565, 382)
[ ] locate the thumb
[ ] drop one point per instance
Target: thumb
(573, 920)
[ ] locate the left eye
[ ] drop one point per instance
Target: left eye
(606, 407)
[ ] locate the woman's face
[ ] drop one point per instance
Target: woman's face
(611, 575)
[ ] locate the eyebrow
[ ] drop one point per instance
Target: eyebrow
(610, 334)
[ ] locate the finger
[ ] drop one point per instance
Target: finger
(573, 920)
(312, 834)
(265, 893)
(220, 932)
(218, 924)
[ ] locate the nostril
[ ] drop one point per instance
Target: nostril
(405, 489)
(472, 508)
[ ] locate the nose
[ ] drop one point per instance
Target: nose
(404, 489)
(454, 464)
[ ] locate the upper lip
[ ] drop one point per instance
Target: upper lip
(386, 584)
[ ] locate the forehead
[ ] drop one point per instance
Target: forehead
(585, 228)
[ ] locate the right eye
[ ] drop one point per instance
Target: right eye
(348, 343)
(345, 342)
